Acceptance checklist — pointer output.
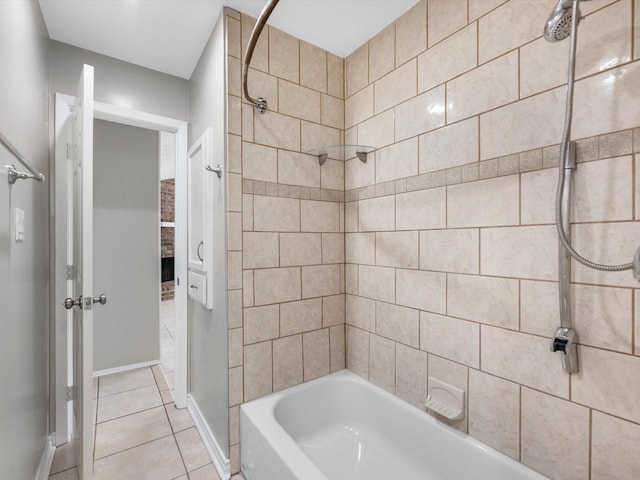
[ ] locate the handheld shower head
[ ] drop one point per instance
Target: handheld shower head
(558, 26)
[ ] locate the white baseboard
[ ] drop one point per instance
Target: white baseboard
(47, 459)
(220, 461)
(125, 368)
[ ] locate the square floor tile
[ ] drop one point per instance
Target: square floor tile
(179, 417)
(160, 377)
(126, 403)
(71, 474)
(208, 472)
(167, 396)
(193, 451)
(157, 460)
(130, 431)
(63, 458)
(123, 382)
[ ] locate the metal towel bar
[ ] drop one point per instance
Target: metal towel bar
(15, 174)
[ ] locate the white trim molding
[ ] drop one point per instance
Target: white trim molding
(125, 368)
(219, 459)
(47, 458)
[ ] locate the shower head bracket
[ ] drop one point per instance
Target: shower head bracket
(261, 105)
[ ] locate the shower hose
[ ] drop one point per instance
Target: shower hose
(563, 152)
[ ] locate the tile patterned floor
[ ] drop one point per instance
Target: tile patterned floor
(139, 433)
(167, 337)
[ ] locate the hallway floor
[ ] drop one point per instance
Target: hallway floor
(139, 433)
(167, 339)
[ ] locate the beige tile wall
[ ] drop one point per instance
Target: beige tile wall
(286, 251)
(440, 251)
(451, 249)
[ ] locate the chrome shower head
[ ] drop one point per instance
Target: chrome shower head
(558, 26)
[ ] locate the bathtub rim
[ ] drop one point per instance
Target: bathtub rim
(283, 444)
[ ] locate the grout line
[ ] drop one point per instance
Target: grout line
(520, 311)
(128, 390)
(480, 347)
(590, 464)
(133, 447)
(96, 423)
(634, 323)
(519, 422)
(184, 463)
(519, 72)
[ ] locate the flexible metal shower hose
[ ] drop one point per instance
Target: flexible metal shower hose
(563, 152)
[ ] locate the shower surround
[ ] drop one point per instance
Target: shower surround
(285, 220)
(440, 253)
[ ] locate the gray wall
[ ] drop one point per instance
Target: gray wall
(24, 274)
(208, 349)
(120, 83)
(126, 227)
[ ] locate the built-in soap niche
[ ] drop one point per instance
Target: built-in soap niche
(342, 152)
(445, 400)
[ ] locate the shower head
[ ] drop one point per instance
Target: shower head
(558, 26)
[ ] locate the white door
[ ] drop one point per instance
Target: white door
(80, 215)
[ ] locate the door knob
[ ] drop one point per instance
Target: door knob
(69, 303)
(102, 299)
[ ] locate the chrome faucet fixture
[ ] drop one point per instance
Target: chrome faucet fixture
(564, 341)
(563, 23)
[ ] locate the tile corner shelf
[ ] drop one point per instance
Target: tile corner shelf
(341, 152)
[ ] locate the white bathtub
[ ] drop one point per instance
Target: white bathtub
(341, 427)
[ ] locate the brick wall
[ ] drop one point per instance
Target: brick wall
(167, 234)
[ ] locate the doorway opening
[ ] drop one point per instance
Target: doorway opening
(62, 354)
(126, 242)
(167, 256)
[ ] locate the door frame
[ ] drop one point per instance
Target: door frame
(61, 356)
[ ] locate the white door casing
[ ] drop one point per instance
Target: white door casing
(64, 105)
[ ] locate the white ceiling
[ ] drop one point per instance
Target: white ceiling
(169, 35)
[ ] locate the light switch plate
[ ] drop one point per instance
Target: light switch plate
(19, 225)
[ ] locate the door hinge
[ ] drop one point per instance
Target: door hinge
(71, 272)
(71, 390)
(68, 151)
